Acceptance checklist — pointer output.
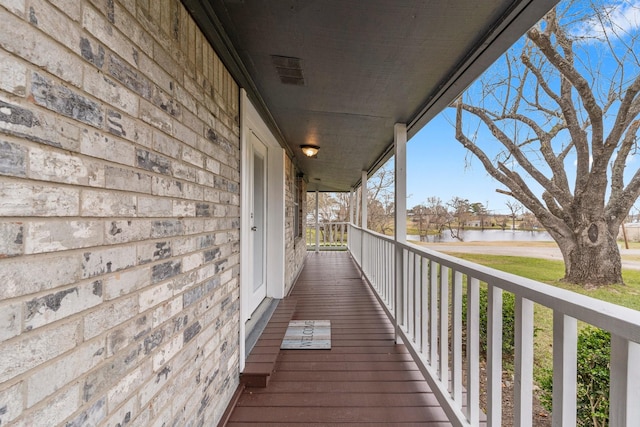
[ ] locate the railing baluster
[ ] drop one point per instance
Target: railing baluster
(624, 409)
(433, 311)
(390, 278)
(456, 336)
(473, 351)
(424, 301)
(444, 324)
(398, 289)
(332, 235)
(382, 266)
(494, 356)
(417, 297)
(381, 270)
(409, 278)
(376, 266)
(405, 290)
(523, 381)
(565, 350)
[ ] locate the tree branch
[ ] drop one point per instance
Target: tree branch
(626, 199)
(629, 109)
(565, 101)
(549, 185)
(565, 66)
(618, 168)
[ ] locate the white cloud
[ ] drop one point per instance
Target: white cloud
(618, 18)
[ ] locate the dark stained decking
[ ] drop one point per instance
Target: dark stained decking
(365, 379)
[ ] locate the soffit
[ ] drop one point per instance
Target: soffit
(340, 73)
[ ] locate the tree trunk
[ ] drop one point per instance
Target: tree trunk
(591, 256)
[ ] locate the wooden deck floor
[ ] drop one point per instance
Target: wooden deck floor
(365, 379)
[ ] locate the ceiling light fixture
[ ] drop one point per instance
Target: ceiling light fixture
(310, 150)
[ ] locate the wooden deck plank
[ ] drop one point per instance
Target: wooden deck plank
(365, 379)
(345, 387)
(340, 399)
(346, 357)
(340, 415)
(314, 376)
(332, 424)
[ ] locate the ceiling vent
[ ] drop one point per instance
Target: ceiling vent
(289, 69)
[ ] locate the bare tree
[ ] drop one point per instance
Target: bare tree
(380, 200)
(459, 210)
(437, 214)
(529, 221)
(422, 219)
(502, 221)
(568, 96)
(514, 209)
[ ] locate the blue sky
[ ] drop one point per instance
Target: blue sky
(439, 166)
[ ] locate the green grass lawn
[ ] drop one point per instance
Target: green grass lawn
(550, 271)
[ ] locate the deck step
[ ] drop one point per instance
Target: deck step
(262, 361)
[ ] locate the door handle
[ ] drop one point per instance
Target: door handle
(254, 228)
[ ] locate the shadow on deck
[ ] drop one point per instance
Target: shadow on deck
(365, 379)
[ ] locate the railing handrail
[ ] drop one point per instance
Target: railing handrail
(328, 222)
(602, 314)
(374, 233)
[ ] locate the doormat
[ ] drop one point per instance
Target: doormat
(307, 335)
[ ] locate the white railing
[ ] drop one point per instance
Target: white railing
(426, 307)
(331, 235)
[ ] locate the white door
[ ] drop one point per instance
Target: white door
(257, 220)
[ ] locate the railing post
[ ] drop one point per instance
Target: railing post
(424, 304)
(356, 217)
(565, 351)
(363, 219)
(399, 308)
(625, 382)
(523, 382)
(351, 204)
(443, 315)
(456, 345)
(400, 229)
(433, 313)
(473, 350)
(317, 223)
(494, 356)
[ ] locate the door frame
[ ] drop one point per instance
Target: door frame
(251, 122)
(257, 222)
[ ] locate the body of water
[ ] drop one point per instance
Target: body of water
(487, 236)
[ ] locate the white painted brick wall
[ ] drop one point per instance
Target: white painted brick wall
(52, 236)
(25, 353)
(10, 320)
(21, 198)
(119, 216)
(16, 75)
(63, 371)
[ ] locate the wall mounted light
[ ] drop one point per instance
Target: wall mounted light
(310, 150)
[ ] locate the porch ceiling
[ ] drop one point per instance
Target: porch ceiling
(363, 66)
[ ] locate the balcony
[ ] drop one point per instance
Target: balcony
(413, 296)
(365, 378)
